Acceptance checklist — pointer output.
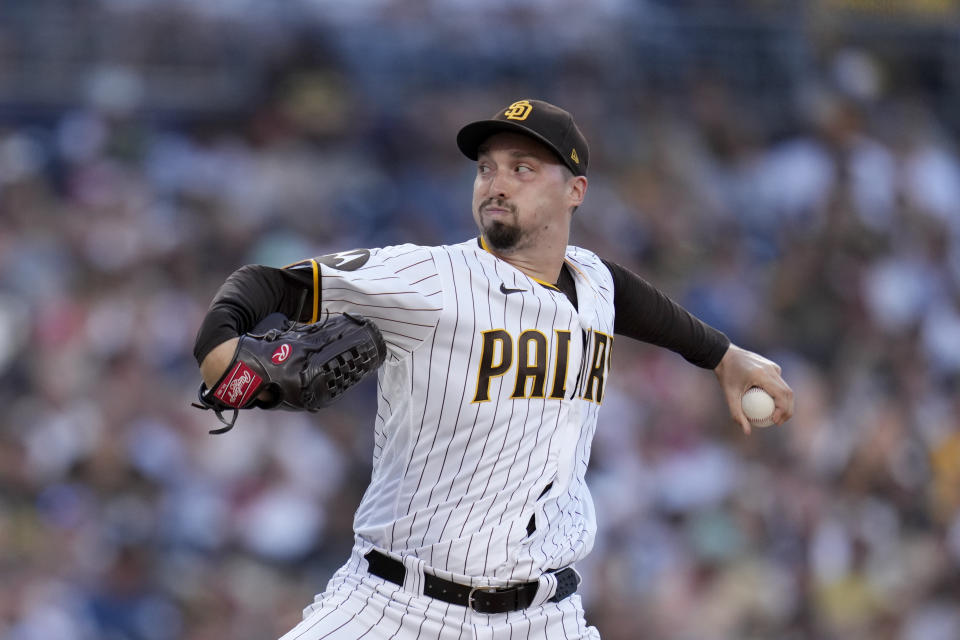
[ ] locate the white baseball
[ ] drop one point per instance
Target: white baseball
(758, 406)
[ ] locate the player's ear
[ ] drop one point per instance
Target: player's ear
(576, 190)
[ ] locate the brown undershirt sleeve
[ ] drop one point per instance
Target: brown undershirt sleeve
(645, 313)
(250, 294)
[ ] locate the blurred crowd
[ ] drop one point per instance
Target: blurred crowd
(824, 233)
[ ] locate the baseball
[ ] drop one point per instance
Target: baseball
(758, 406)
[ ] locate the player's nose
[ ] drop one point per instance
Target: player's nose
(497, 185)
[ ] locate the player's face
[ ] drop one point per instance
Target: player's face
(522, 192)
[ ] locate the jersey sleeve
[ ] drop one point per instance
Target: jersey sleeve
(643, 312)
(397, 288)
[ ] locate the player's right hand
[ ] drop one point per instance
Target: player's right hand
(739, 370)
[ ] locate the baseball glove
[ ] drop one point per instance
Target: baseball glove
(299, 367)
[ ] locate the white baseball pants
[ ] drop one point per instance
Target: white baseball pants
(357, 605)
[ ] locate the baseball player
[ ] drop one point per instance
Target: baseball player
(496, 354)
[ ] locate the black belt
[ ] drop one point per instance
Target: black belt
(481, 599)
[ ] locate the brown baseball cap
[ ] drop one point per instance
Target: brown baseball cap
(540, 120)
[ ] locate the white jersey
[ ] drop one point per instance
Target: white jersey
(487, 406)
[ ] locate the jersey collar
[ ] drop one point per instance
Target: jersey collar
(483, 245)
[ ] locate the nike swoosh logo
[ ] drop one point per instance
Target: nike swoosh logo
(504, 290)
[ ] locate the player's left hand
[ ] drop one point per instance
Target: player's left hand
(741, 369)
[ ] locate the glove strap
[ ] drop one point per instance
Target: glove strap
(205, 404)
(235, 390)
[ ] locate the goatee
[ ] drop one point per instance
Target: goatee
(502, 236)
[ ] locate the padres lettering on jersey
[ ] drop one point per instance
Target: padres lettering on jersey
(487, 406)
(530, 364)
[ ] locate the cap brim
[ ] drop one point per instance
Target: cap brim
(473, 135)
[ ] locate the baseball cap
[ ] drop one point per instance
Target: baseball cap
(540, 120)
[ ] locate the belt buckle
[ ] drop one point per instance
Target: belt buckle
(482, 589)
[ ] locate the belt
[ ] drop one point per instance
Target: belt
(480, 599)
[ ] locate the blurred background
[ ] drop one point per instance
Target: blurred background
(789, 171)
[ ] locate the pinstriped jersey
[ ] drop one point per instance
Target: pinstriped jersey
(487, 405)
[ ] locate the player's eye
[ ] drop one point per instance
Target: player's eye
(522, 168)
(482, 168)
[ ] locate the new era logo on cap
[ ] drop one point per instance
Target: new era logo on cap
(540, 120)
